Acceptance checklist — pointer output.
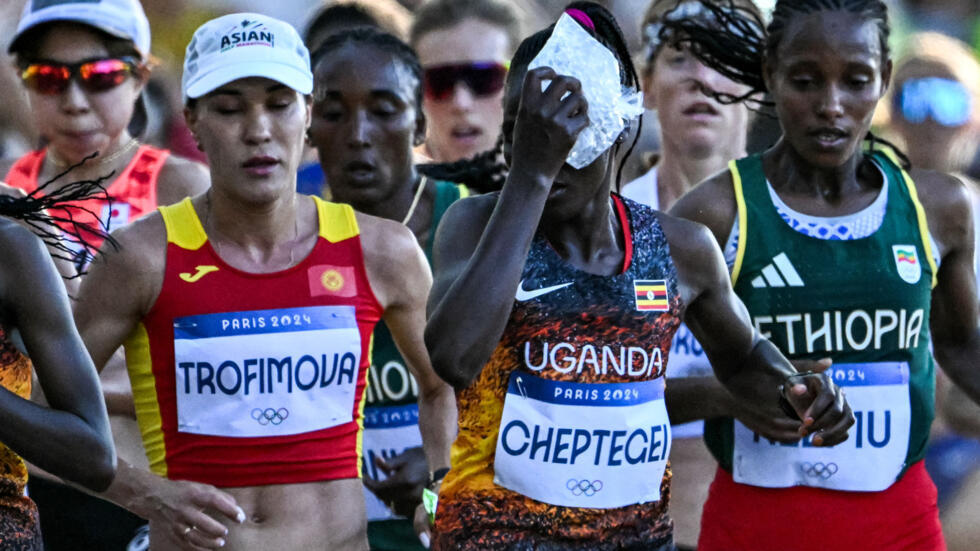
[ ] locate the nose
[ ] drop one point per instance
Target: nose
(463, 97)
(831, 105)
(257, 128)
(73, 99)
(358, 132)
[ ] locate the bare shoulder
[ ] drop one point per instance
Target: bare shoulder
(691, 243)
(139, 247)
(947, 204)
(181, 178)
(384, 238)
(712, 203)
(466, 219)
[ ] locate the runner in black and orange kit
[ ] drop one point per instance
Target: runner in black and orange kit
(367, 116)
(247, 313)
(552, 313)
(837, 250)
(70, 437)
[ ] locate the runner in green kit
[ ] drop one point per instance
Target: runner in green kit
(367, 118)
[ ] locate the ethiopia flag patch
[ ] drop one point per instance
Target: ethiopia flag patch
(651, 295)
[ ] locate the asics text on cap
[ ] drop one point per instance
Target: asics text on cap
(122, 18)
(244, 45)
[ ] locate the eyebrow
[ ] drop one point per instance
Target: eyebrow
(233, 92)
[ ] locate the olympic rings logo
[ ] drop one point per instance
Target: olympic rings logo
(269, 415)
(583, 487)
(818, 469)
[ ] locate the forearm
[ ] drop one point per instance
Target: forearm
(465, 326)
(694, 398)
(58, 441)
(437, 423)
(756, 380)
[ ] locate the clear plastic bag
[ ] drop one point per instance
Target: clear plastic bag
(572, 51)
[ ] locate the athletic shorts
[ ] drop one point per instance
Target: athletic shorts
(902, 518)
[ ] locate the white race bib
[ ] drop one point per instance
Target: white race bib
(687, 359)
(388, 431)
(583, 445)
(266, 372)
(870, 460)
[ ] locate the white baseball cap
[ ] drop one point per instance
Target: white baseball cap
(244, 45)
(122, 18)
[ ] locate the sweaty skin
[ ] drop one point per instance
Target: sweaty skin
(258, 224)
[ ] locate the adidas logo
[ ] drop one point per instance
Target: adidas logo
(780, 273)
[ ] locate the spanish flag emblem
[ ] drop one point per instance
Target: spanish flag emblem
(651, 295)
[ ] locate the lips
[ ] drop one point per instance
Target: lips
(260, 164)
(700, 108)
(466, 132)
(829, 137)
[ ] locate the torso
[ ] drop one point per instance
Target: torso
(131, 194)
(282, 447)
(578, 353)
(812, 298)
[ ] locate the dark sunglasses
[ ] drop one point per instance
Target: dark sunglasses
(483, 78)
(94, 75)
(943, 100)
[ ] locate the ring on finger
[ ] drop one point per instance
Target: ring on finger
(188, 529)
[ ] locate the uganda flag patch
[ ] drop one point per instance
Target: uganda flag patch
(651, 295)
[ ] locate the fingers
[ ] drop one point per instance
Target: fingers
(423, 529)
(209, 497)
(198, 540)
(832, 427)
(814, 366)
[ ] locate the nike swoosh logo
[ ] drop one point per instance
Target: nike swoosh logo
(523, 294)
(201, 272)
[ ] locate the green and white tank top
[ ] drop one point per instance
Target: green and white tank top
(864, 303)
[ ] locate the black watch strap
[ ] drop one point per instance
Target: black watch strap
(437, 475)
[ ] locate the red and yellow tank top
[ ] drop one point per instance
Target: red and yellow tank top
(15, 376)
(564, 436)
(131, 194)
(244, 379)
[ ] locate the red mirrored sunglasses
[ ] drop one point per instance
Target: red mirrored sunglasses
(94, 75)
(483, 78)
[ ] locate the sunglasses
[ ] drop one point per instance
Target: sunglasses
(483, 78)
(945, 101)
(94, 75)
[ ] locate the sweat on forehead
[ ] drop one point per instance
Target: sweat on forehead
(836, 30)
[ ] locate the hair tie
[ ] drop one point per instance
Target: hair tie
(582, 18)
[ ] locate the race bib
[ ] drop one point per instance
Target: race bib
(266, 372)
(687, 359)
(870, 460)
(388, 431)
(581, 444)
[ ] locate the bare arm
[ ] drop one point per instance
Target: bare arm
(70, 438)
(954, 314)
(479, 260)
(401, 280)
(749, 367)
(121, 286)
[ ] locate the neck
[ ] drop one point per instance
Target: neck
(590, 240)
(395, 206)
(678, 173)
(258, 228)
(795, 175)
(113, 159)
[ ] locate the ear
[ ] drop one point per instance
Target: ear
(190, 117)
(418, 137)
(308, 102)
(886, 76)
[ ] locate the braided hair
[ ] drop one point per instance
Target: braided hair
(50, 212)
(386, 42)
(485, 171)
(733, 40)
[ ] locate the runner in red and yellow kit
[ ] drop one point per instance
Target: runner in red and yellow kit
(247, 313)
(552, 313)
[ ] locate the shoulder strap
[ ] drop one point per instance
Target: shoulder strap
(745, 170)
(184, 228)
(337, 221)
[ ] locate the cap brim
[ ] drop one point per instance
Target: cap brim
(14, 44)
(301, 81)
